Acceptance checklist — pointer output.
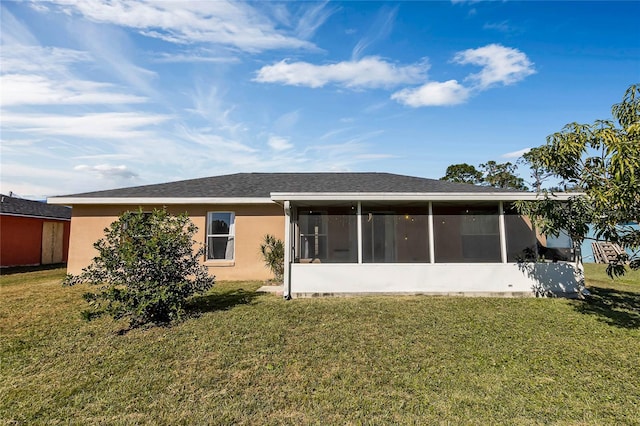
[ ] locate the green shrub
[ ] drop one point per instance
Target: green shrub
(146, 269)
(273, 254)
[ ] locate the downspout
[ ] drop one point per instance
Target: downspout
(286, 291)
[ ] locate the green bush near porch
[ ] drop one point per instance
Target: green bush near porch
(247, 358)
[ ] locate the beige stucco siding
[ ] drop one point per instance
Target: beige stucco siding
(252, 222)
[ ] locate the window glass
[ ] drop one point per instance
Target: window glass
(395, 234)
(520, 235)
(559, 247)
(466, 233)
(327, 234)
(220, 236)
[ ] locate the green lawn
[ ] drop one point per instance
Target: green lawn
(245, 358)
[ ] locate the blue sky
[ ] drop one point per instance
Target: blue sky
(102, 94)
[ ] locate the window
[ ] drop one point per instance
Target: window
(395, 234)
(520, 236)
(327, 234)
(220, 235)
(466, 233)
(313, 234)
(557, 247)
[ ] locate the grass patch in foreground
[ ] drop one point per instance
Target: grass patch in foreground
(247, 358)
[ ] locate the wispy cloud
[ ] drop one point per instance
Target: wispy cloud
(111, 125)
(209, 104)
(380, 30)
(502, 26)
(13, 31)
(312, 18)
(227, 23)
(500, 65)
(433, 94)
(28, 58)
(368, 72)
(109, 48)
(516, 154)
(212, 140)
(375, 156)
(196, 57)
(279, 143)
(108, 170)
(37, 90)
(286, 122)
(332, 133)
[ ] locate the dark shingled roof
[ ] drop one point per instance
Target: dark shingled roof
(258, 185)
(18, 206)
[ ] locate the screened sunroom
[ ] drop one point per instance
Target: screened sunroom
(394, 245)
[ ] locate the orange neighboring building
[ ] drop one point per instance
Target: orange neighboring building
(32, 232)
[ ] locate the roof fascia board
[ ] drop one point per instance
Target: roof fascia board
(31, 216)
(158, 200)
(414, 196)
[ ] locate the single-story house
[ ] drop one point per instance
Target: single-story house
(346, 233)
(32, 232)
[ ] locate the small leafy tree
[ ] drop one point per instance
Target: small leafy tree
(146, 269)
(272, 250)
(491, 173)
(502, 175)
(463, 173)
(602, 160)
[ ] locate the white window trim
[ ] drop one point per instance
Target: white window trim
(231, 234)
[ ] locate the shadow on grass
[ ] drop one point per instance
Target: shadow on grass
(615, 307)
(35, 268)
(220, 301)
(198, 305)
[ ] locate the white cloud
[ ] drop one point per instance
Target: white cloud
(500, 65)
(368, 72)
(19, 89)
(226, 23)
(110, 125)
(433, 94)
(19, 58)
(516, 154)
(279, 143)
(107, 170)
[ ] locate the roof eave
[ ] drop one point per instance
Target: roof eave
(68, 201)
(415, 196)
(35, 216)
(313, 196)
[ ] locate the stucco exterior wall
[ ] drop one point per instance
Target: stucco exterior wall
(488, 279)
(252, 222)
(21, 240)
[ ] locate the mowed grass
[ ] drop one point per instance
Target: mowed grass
(245, 358)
